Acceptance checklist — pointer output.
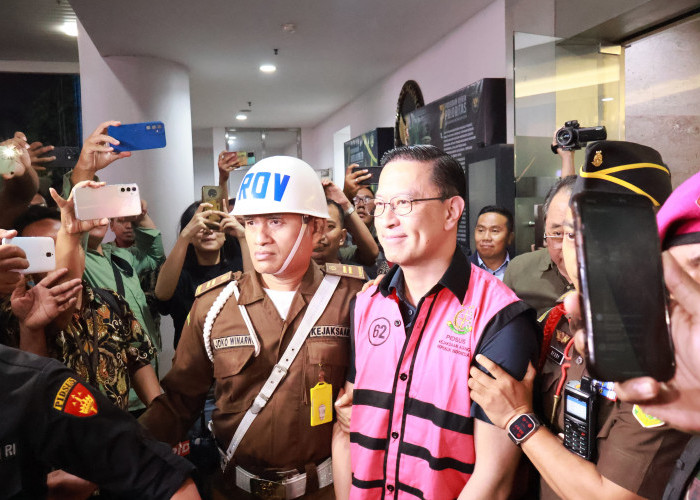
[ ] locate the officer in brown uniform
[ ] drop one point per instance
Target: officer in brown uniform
(634, 452)
(276, 342)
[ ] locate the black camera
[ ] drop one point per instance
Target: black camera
(572, 136)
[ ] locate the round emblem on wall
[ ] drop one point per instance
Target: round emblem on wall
(410, 98)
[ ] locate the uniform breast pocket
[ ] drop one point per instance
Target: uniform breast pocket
(327, 359)
(233, 393)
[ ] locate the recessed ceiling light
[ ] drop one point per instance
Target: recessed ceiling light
(241, 116)
(69, 28)
(289, 28)
(268, 68)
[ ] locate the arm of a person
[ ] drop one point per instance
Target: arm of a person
(495, 466)
(149, 252)
(342, 471)
(145, 383)
(171, 269)
(97, 153)
(186, 385)
(367, 249)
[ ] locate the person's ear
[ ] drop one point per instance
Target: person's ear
(511, 237)
(344, 236)
(455, 207)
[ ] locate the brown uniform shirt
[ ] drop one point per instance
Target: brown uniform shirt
(536, 280)
(637, 458)
(281, 436)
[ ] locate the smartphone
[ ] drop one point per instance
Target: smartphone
(373, 171)
(117, 200)
(138, 136)
(624, 299)
(66, 157)
(215, 196)
(40, 250)
(8, 159)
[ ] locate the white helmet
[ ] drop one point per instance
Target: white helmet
(281, 184)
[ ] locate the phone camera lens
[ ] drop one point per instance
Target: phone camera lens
(49, 254)
(128, 189)
(123, 190)
(133, 188)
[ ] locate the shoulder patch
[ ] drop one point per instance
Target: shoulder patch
(646, 420)
(345, 270)
(75, 399)
(215, 283)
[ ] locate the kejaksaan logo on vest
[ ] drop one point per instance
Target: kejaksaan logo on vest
(256, 186)
(463, 321)
(379, 331)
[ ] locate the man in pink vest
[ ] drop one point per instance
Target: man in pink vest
(414, 431)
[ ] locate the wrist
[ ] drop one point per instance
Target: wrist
(349, 211)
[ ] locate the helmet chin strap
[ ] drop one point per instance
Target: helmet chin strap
(288, 260)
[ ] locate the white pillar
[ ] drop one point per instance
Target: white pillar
(140, 89)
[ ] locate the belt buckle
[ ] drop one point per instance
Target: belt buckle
(273, 490)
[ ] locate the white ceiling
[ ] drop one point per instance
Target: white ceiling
(340, 48)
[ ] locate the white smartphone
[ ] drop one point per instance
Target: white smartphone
(8, 159)
(117, 200)
(40, 250)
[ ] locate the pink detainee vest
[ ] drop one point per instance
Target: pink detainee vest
(411, 430)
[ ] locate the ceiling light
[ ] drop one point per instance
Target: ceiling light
(289, 28)
(268, 68)
(606, 99)
(241, 116)
(70, 28)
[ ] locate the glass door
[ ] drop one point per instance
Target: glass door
(556, 81)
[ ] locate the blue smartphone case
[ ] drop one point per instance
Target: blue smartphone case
(138, 136)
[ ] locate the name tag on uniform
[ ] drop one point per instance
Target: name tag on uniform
(321, 404)
(555, 355)
(330, 331)
(232, 341)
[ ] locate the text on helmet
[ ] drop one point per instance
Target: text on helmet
(258, 184)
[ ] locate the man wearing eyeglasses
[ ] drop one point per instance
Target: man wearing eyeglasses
(414, 428)
(540, 278)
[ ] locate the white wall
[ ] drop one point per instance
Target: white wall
(475, 50)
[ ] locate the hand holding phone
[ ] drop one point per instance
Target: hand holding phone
(40, 252)
(624, 299)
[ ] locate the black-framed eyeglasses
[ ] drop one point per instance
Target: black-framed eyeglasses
(362, 200)
(400, 205)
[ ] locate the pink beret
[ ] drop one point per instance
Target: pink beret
(679, 217)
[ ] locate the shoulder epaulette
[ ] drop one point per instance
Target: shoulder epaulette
(345, 270)
(215, 283)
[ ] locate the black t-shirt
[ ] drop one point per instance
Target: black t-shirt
(52, 419)
(191, 277)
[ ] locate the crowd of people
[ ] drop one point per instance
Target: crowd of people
(332, 341)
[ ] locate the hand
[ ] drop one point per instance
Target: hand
(11, 257)
(333, 192)
(229, 225)
(69, 222)
(502, 397)
(38, 306)
(65, 486)
(228, 162)
(22, 160)
(353, 180)
(371, 283)
(200, 222)
(97, 152)
(36, 149)
(676, 402)
(343, 410)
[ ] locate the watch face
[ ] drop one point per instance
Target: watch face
(521, 427)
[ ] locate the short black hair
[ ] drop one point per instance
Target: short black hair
(447, 173)
(563, 183)
(332, 203)
(35, 213)
(510, 224)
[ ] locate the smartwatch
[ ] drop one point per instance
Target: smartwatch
(350, 211)
(523, 426)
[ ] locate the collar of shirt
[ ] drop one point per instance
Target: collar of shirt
(455, 279)
(498, 272)
(251, 285)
